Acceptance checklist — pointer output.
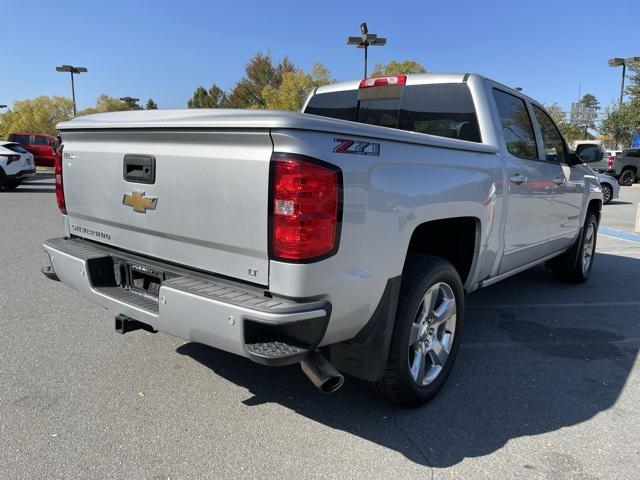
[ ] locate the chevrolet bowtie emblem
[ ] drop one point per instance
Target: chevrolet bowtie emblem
(139, 202)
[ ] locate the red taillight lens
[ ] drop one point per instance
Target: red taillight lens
(382, 81)
(57, 170)
(305, 209)
(610, 161)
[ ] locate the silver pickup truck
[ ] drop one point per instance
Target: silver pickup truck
(343, 237)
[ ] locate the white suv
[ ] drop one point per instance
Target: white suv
(16, 164)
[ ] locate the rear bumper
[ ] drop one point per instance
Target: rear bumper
(22, 174)
(231, 316)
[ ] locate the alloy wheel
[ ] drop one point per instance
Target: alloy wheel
(588, 247)
(432, 333)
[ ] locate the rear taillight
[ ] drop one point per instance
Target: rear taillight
(57, 170)
(382, 81)
(610, 162)
(11, 158)
(305, 208)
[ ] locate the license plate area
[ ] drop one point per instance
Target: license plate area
(144, 281)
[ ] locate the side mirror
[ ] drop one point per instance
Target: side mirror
(589, 153)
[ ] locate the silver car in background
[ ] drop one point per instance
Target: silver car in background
(610, 187)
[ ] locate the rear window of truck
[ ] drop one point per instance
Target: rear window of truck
(443, 109)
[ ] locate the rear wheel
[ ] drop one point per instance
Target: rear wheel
(9, 184)
(426, 333)
(607, 192)
(627, 177)
(6, 184)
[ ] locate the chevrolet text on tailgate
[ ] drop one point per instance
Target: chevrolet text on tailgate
(343, 237)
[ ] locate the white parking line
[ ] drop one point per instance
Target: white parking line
(555, 305)
(620, 252)
(576, 343)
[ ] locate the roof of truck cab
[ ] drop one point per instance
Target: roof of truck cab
(420, 79)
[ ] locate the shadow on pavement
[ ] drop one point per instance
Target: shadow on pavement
(522, 370)
(34, 190)
(618, 202)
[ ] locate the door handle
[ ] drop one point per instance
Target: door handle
(518, 178)
(559, 180)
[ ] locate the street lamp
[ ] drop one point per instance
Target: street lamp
(364, 41)
(617, 62)
(71, 69)
(130, 101)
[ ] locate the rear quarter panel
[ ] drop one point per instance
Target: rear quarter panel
(385, 198)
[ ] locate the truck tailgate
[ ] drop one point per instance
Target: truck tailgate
(211, 191)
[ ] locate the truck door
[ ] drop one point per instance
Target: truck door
(529, 185)
(568, 185)
(41, 151)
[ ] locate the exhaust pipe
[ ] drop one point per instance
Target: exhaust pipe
(321, 372)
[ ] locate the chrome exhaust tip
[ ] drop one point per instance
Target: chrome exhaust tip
(322, 373)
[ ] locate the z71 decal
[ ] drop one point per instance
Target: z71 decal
(357, 147)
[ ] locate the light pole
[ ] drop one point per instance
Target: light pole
(71, 69)
(617, 62)
(130, 101)
(364, 41)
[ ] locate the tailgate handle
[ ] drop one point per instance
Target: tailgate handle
(139, 168)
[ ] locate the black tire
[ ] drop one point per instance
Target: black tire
(13, 184)
(627, 177)
(570, 266)
(397, 385)
(607, 193)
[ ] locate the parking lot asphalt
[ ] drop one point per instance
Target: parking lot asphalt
(546, 385)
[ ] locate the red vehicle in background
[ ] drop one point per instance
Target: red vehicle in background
(45, 148)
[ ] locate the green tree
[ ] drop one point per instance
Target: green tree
(590, 101)
(397, 68)
(320, 75)
(633, 87)
(295, 87)
(105, 103)
(39, 115)
(621, 122)
(569, 131)
(151, 105)
(215, 97)
(260, 72)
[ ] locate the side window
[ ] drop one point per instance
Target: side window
(342, 105)
(21, 139)
(516, 125)
(38, 140)
(553, 144)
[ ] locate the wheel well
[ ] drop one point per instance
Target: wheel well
(453, 239)
(629, 167)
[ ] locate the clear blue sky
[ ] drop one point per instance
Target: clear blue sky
(165, 49)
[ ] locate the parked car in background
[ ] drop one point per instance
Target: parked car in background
(16, 164)
(606, 164)
(621, 164)
(610, 187)
(43, 147)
